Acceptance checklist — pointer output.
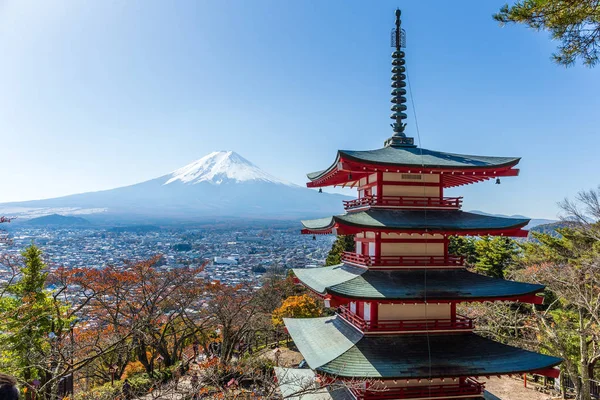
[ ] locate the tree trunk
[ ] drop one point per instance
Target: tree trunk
(585, 393)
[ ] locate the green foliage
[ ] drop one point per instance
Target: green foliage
(104, 392)
(463, 246)
(495, 255)
(140, 385)
(342, 243)
(27, 319)
(33, 276)
(574, 23)
(490, 256)
(569, 324)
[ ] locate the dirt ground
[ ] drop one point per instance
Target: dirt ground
(507, 388)
(286, 357)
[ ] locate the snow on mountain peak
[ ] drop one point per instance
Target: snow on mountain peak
(221, 167)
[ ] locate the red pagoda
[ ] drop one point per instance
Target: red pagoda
(396, 328)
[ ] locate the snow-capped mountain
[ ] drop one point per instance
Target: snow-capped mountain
(221, 184)
(222, 167)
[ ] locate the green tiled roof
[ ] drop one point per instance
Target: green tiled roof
(411, 356)
(319, 279)
(418, 219)
(334, 338)
(414, 156)
(409, 284)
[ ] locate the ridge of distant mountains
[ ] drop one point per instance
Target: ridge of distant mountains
(532, 223)
(219, 188)
(221, 184)
(58, 221)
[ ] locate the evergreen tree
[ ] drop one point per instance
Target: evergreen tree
(490, 256)
(574, 23)
(342, 243)
(495, 255)
(27, 324)
(463, 246)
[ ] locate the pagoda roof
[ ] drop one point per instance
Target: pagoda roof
(350, 282)
(414, 159)
(329, 346)
(451, 221)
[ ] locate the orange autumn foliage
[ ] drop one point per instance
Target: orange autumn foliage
(303, 306)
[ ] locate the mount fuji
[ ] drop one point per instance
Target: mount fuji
(220, 184)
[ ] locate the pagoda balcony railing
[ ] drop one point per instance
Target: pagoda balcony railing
(404, 202)
(407, 325)
(468, 387)
(402, 261)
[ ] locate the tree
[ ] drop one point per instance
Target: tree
(495, 255)
(575, 23)
(35, 327)
(342, 243)
(489, 255)
(463, 246)
(148, 312)
(303, 306)
(569, 266)
(27, 315)
(236, 312)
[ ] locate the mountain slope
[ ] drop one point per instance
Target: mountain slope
(58, 220)
(219, 184)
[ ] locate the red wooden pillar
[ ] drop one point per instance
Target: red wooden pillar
(379, 184)
(374, 311)
(377, 245)
(453, 312)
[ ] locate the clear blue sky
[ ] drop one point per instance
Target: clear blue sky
(100, 94)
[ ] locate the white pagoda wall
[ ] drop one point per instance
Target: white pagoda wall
(414, 249)
(388, 312)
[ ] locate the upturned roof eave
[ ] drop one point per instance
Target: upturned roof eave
(345, 155)
(332, 346)
(400, 221)
(335, 278)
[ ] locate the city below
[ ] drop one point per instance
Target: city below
(233, 255)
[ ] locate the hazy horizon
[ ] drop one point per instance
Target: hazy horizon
(100, 95)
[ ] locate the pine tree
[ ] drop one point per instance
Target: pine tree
(342, 243)
(495, 255)
(575, 24)
(27, 319)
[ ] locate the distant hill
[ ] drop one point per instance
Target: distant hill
(58, 220)
(532, 224)
(551, 228)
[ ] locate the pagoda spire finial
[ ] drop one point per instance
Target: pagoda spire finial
(399, 138)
